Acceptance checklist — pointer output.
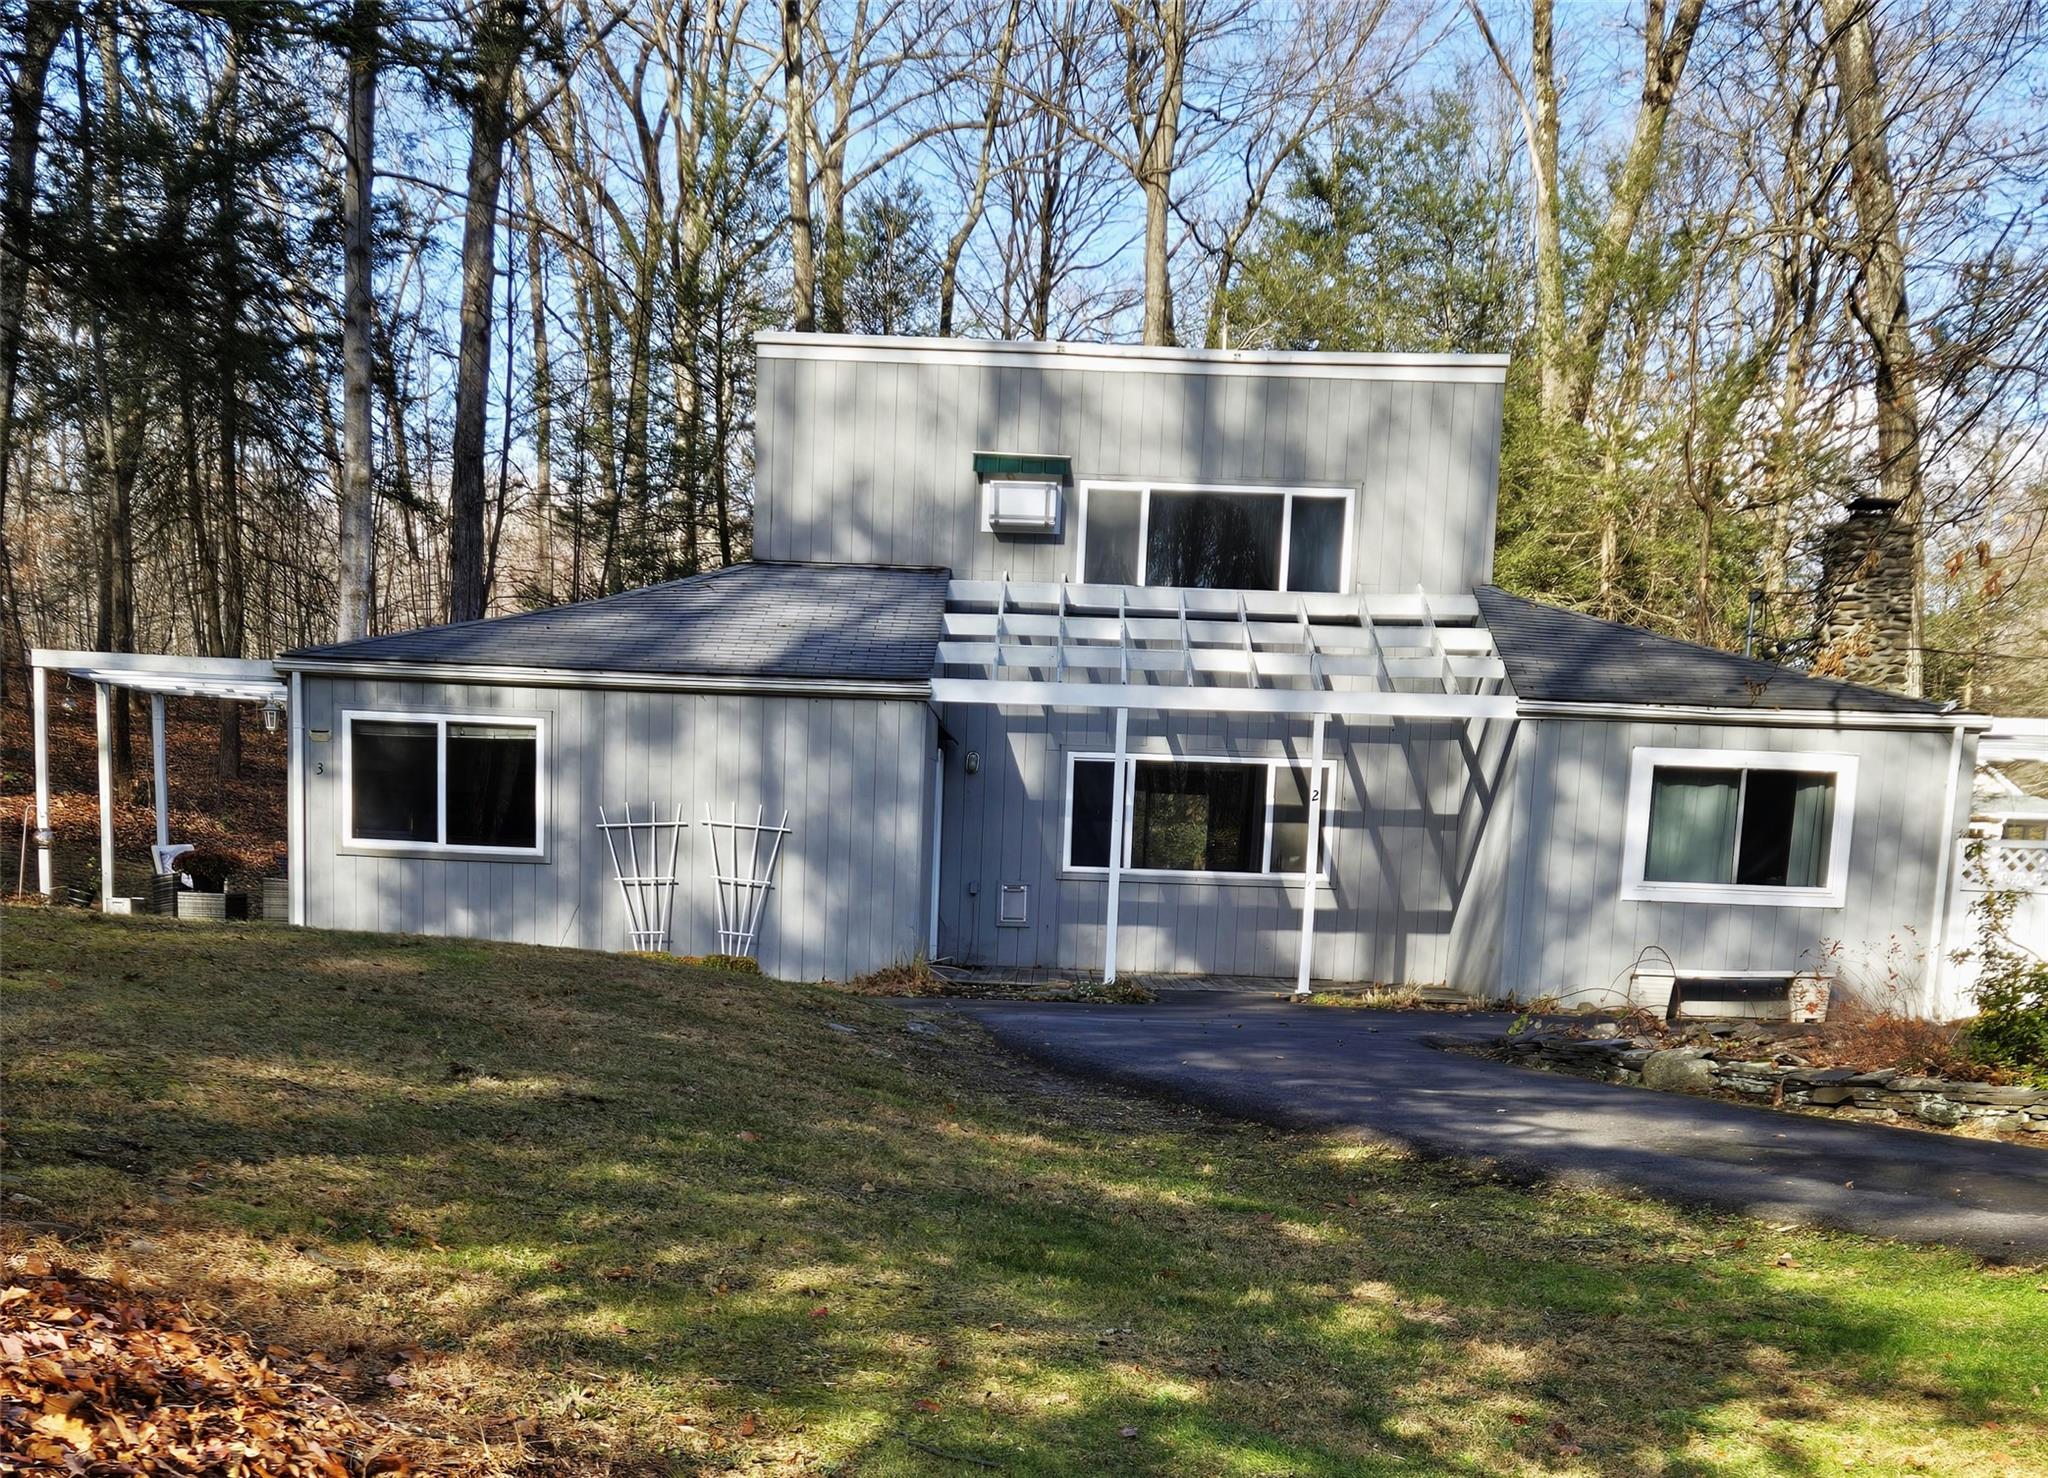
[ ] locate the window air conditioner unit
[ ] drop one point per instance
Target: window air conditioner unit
(1018, 505)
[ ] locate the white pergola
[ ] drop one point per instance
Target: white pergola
(235, 678)
(1299, 655)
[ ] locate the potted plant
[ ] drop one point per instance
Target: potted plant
(208, 897)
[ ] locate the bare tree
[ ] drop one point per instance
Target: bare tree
(1568, 348)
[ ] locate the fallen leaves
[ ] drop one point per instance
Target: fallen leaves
(95, 1375)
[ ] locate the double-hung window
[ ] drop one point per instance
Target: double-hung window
(1728, 826)
(1220, 538)
(1194, 817)
(443, 783)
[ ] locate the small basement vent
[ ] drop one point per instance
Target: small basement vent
(1013, 905)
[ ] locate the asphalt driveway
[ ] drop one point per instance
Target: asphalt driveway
(1372, 1072)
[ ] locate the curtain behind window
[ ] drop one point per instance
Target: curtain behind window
(1692, 826)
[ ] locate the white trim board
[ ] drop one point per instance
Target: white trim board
(1643, 764)
(1485, 369)
(351, 844)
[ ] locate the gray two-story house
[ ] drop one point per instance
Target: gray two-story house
(1104, 659)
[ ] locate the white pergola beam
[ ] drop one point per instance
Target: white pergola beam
(1192, 662)
(1299, 702)
(1107, 630)
(1163, 600)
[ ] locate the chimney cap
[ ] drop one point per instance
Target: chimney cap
(1870, 503)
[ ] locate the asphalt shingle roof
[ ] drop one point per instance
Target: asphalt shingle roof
(1559, 656)
(829, 622)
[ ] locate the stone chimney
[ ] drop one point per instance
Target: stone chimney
(1865, 598)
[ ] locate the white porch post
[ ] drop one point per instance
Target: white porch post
(295, 803)
(1117, 792)
(39, 682)
(160, 788)
(1312, 856)
(103, 714)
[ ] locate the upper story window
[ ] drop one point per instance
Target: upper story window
(1220, 538)
(1734, 826)
(440, 783)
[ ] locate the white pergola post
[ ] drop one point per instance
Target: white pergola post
(40, 685)
(160, 787)
(103, 716)
(1117, 791)
(1312, 858)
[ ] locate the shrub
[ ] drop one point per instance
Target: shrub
(209, 871)
(2011, 1028)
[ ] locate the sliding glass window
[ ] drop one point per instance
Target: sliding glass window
(1215, 538)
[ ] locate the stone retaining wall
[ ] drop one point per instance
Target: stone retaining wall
(1883, 1094)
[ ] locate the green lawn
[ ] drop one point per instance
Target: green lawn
(684, 1222)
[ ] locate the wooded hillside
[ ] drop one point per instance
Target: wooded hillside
(343, 316)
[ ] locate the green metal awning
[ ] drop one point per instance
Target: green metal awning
(1016, 464)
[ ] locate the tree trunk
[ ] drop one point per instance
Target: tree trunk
(1881, 306)
(500, 41)
(543, 384)
(46, 23)
(1156, 131)
(356, 582)
(796, 107)
(1664, 59)
(1543, 202)
(234, 604)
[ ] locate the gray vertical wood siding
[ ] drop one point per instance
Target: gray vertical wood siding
(1567, 929)
(1404, 816)
(850, 893)
(873, 461)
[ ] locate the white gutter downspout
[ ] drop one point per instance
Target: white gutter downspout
(1937, 951)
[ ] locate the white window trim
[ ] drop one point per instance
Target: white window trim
(1146, 489)
(1273, 763)
(441, 721)
(1643, 765)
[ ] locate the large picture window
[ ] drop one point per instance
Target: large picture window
(433, 782)
(1215, 538)
(1733, 826)
(1194, 818)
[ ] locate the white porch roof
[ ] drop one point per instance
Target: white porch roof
(234, 678)
(245, 679)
